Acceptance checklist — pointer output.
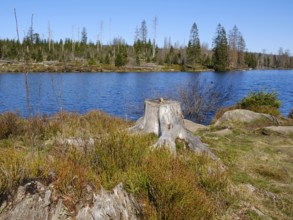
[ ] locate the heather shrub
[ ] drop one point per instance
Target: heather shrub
(10, 124)
(262, 102)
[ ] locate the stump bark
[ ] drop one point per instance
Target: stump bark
(165, 119)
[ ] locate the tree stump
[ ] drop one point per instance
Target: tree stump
(165, 119)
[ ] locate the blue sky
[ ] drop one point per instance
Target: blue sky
(265, 24)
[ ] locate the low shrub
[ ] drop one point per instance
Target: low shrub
(10, 125)
(259, 101)
(262, 102)
(175, 186)
(265, 109)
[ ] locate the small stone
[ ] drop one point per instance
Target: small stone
(250, 188)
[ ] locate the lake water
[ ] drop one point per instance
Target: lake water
(123, 94)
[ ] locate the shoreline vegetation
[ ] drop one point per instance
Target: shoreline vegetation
(11, 66)
(55, 66)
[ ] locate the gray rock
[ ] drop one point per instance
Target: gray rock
(28, 203)
(60, 212)
(33, 201)
(284, 130)
(260, 214)
(111, 205)
(243, 116)
(193, 127)
(223, 132)
(47, 199)
(78, 142)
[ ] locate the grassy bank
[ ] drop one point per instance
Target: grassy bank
(84, 66)
(186, 186)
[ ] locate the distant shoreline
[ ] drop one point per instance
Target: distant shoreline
(7, 66)
(55, 66)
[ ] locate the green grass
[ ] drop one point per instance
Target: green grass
(262, 161)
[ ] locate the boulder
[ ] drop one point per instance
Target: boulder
(223, 132)
(193, 127)
(284, 130)
(244, 116)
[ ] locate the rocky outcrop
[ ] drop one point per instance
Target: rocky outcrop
(35, 201)
(244, 116)
(115, 205)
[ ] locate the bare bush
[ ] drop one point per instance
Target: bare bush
(200, 99)
(291, 114)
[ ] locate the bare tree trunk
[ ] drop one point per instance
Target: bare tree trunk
(165, 119)
(49, 36)
(155, 35)
(26, 81)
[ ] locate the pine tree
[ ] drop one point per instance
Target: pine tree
(143, 32)
(84, 36)
(121, 48)
(193, 48)
(220, 49)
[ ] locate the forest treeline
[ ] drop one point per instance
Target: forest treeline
(228, 51)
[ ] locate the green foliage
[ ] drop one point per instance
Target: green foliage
(83, 36)
(107, 59)
(220, 49)
(175, 185)
(261, 98)
(137, 60)
(37, 49)
(92, 62)
(119, 60)
(250, 60)
(262, 101)
(258, 101)
(121, 57)
(193, 49)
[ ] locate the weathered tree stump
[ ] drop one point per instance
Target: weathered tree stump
(165, 119)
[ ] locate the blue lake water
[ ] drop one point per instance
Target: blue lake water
(123, 94)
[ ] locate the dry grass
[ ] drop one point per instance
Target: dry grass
(261, 171)
(187, 186)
